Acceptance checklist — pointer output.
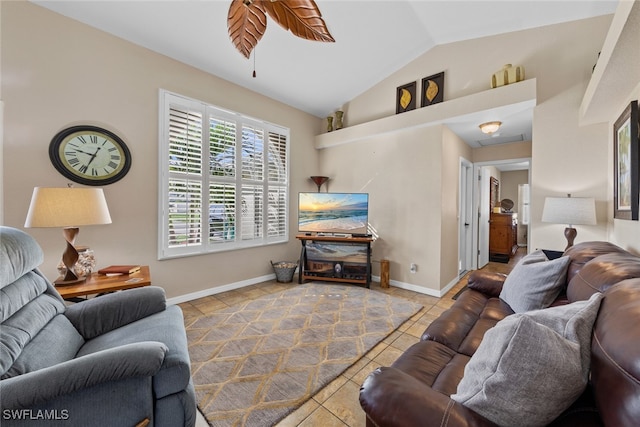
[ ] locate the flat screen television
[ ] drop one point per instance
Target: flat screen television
(333, 213)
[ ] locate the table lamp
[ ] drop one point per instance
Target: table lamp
(569, 210)
(68, 208)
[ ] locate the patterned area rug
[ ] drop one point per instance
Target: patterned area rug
(254, 363)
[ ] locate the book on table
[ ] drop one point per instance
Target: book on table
(120, 269)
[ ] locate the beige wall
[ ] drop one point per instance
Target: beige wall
(564, 155)
(567, 157)
(57, 72)
(622, 232)
(415, 214)
(405, 209)
(509, 181)
(492, 153)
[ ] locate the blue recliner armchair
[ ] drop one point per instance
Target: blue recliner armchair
(116, 360)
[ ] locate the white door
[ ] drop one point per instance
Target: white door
(465, 218)
(483, 217)
(524, 214)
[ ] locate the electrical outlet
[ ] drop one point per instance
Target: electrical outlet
(413, 267)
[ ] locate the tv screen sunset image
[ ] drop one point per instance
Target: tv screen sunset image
(333, 212)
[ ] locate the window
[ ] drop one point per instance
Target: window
(224, 179)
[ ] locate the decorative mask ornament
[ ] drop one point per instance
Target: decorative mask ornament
(247, 21)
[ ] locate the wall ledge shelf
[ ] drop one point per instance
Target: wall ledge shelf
(519, 95)
(618, 68)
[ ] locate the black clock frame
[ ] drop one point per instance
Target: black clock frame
(54, 155)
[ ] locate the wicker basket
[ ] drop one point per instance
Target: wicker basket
(284, 270)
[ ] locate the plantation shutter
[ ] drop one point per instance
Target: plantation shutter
(223, 185)
(185, 177)
(278, 195)
(222, 147)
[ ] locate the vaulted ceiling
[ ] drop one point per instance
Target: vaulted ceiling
(373, 39)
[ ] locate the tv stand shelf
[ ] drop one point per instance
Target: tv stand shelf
(335, 259)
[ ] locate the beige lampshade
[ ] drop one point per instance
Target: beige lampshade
(67, 207)
(569, 210)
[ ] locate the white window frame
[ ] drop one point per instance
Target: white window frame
(275, 140)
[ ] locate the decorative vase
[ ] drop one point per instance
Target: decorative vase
(339, 116)
(85, 265)
(319, 180)
(329, 123)
(509, 74)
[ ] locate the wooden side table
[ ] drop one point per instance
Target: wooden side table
(100, 283)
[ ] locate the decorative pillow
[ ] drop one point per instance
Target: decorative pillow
(531, 367)
(535, 282)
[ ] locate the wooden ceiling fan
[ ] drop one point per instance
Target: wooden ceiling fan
(247, 21)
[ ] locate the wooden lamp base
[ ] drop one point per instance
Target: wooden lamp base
(69, 258)
(570, 233)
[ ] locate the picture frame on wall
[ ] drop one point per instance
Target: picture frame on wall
(406, 97)
(432, 89)
(626, 158)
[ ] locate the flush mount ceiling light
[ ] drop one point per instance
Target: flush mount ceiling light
(247, 21)
(490, 127)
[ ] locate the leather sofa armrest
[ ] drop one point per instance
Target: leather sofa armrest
(108, 312)
(489, 283)
(391, 397)
(142, 359)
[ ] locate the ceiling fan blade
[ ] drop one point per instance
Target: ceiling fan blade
(301, 17)
(247, 24)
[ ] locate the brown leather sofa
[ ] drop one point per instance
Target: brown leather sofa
(415, 390)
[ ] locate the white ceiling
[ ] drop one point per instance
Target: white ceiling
(374, 38)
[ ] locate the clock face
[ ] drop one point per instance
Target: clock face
(90, 155)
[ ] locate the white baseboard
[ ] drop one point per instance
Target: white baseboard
(449, 286)
(244, 283)
(421, 289)
(220, 289)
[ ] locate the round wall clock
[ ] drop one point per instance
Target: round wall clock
(90, 155)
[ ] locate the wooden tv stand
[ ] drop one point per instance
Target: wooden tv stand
(349, 260)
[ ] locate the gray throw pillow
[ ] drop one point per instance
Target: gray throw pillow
(535, 282)
(531, 367)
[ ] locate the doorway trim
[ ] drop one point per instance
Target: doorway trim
(480, 252)
(465, 217)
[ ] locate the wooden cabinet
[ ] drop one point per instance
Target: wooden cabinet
(503, 234)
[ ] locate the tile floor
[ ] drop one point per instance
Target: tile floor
(337, 404)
